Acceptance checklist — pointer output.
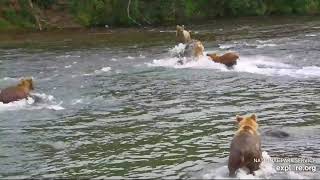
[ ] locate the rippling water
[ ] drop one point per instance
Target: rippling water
(112, 110)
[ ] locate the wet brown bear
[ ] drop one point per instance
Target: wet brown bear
(183, 36)
(194, 49)
(15, 93)
(228, 59)
(245, 150)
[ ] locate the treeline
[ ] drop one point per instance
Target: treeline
(92, 13)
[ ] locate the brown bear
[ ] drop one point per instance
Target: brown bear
(193, 49)
(245, 149)
(15, 93)
(228, 59)
(183, 36)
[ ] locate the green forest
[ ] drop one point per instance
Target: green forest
(46, 14)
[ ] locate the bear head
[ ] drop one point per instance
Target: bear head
(26, 84)
(249, 121)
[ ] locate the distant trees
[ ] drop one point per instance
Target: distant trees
(27, 13)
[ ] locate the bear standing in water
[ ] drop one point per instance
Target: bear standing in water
(193, 48)
(15, 93)
(245, 150)
(183, 36)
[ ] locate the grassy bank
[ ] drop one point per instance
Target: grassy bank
(46, 14)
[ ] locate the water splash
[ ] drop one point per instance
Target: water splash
(34, 102)
(266, 171)
(177, 49)
(249, 64)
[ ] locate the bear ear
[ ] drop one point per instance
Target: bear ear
(254, 117)
(239, 118)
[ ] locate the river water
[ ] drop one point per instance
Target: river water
(114, 104)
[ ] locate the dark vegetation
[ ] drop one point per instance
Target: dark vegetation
(35, 14)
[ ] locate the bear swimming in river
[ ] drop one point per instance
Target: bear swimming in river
(228, 59)
(15, 93)
(245, 149)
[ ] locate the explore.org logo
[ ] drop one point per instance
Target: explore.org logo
(305, 164)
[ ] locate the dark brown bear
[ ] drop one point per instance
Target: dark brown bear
(245, 150)
(228, 59)
(15, 93)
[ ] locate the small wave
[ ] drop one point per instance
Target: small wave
(68, 56)
(266, 45)
(99, 71)
(310, 35)
(9, 79)
(130, 57)
(258, 45)
(77, 101)
(68, 66)
(226, 46)
(35, 101)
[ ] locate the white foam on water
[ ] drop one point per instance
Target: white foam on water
(68, 66)
(68, 56)
(114, 59)
(266, 45)
(258, 45)
(47, 102)
(177, 49)
(249, 64)
(99, 71)
(310, 35)
(104, 69)
(202, 63)
(77, 101)
(226, 46)
(268, 66)
(9, 79)
(130, 57)
(59, 145)
(293, 175)
(266, 171)
(264, 41)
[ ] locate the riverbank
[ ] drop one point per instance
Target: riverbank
(222, 29)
